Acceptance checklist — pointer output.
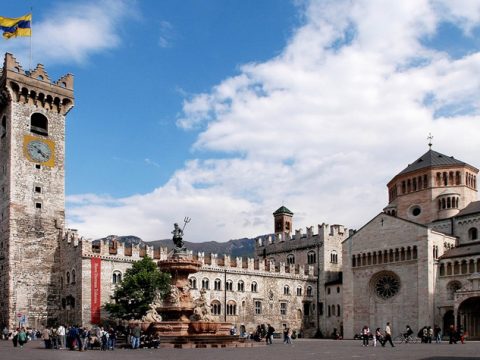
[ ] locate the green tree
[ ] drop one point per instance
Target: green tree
(139, 287)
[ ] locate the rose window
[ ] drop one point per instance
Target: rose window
(387, 286)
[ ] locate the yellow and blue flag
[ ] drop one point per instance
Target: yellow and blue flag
(21, 26)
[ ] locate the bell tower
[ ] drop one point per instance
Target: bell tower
(283, 220)
(32, 190)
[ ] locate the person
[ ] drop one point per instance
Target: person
(424, 335)
(54, 338)
(461, 335)
(136, 333)
(61, 337)
(5, 333)
(46, 338)
(85, 335)
(112, 339)
(15, 337)
(429, 334)
(452, 335)
(437, 332)
(408, 332)
(378, 337)
(22, 337)
(365, 335)
(388, 335)
(335, 335)
(104, 339)
(269, 337)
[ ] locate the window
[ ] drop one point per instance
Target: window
(68, 278)
(283, 308)
(216, 307)
(38, 205)
(4, 126)
(311, 257)
(217, 285)
(338, 289)
(231, 308)
(290, 259)
(334, 257)
(205, 284)
(241, 286)
(39, 124)
(299, 291)
(38, 189)
(338, 310)
(117, 277)
(193, 283)
(286, 290)
(229, 285)
(73, 276)
(309, 291)
(472, 233)
(254, 287)
(258, 307)
(328, 291)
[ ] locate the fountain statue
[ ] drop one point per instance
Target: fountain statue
(179, 320)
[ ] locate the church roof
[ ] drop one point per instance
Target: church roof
(472, 208)
(282, 210)
(469, 249)
(431, 159)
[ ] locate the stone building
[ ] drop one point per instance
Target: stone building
(32, 181)
(418, 262)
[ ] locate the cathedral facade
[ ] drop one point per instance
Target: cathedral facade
(417, 262)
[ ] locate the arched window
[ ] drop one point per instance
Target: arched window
(229, 285)
(333, 257)
(205, 284)
(217, 284)
(309, 291)
(472, 233)
(73, 276)
(290, 259)
(299, 291)
(333, 310)
(216, 307)
(338, 310)
(68, 278)
(311, 257)
(231, 308)
(117, 277)
(4, 126)
(254, 287)
(286, 290)
(39, 124)
(193, 283)
(241, 286)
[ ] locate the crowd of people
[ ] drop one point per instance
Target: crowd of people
(426, 335)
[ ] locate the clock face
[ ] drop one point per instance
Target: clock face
(39, 151)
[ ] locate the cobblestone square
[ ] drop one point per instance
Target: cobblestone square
(304, 349)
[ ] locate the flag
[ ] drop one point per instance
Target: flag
(21, 26)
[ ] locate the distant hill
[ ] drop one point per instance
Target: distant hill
(241, 247)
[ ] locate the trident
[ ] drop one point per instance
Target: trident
(186, 221)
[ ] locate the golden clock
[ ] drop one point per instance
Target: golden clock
(39, 150)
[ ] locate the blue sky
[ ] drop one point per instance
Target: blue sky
(225, 110)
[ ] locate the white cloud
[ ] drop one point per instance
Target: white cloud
(73, 32)
(320, 128)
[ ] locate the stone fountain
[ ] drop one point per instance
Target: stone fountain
(179, 320)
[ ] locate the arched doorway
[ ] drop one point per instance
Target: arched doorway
(469, 317)
(448, 319)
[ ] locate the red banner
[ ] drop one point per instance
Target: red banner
(96, 303)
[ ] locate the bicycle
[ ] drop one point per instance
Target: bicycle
(401, 339)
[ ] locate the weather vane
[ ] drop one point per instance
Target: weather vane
(429, 138)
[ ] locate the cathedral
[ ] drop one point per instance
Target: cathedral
(417, 262)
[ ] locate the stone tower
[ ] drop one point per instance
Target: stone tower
(283, 220)
(434, 187)
(32, 186)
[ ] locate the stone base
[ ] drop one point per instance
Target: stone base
(206, 341)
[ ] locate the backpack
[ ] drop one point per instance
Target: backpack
(22, 336)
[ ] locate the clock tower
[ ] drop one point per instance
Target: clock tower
(32, 192)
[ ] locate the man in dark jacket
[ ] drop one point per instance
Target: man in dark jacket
(269, 337)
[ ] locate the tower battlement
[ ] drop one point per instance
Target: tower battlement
(35, 87)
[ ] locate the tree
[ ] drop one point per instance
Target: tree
(142, 282)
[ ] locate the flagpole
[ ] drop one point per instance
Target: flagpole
(31, 35)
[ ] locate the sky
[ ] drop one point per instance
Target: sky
(225, 110)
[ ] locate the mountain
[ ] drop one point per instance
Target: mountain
(240, 247)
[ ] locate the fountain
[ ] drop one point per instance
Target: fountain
(178, 320)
